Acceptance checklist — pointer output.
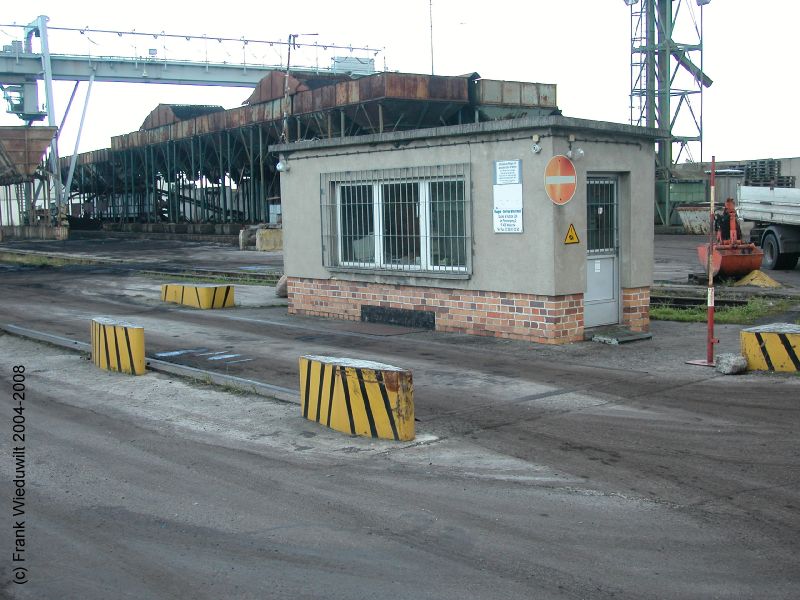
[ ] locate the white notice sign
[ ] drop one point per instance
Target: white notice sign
(508, 221)
(507, 197)
(507, 171)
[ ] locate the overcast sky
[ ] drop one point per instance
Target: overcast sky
(583, 46)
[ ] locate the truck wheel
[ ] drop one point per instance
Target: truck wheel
(771, 254)
(773, 259)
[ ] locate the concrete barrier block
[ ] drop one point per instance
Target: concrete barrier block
(118, 346)
(773, 347)
(198, 295)
(269, 240)
(358, 397)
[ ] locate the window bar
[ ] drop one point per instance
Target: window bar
(418, 218)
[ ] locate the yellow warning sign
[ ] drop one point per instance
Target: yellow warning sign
(572, 236)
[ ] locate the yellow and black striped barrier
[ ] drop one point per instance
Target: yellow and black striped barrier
(358, 397)
(198, 295)
(774, 347)
(118, 346)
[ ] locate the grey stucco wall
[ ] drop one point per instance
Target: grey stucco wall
(534, 262)
(790, 166)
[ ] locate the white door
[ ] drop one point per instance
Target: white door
(601, 301)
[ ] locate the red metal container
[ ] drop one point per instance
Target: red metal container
(730, 257)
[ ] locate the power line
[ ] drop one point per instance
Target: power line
(189, 37)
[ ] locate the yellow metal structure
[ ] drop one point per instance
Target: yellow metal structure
(118, 346)
(773, 347)
(358, 397)
(198, 295)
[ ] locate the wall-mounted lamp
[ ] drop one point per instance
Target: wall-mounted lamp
(535, 147)
(283, 164)
(575, 154)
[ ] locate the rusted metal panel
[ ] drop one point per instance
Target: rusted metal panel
(347, 92)
(97, 156)
(203, 125)
(21, 151)
(515, 93)
(93, 157)
(216, 122)
(547, 94)
(489, 91)
(448, 88)
(511, 93)
(268, 111)
(529, 94)
(439, 88)
(186, 129)
(88, 158)
(372, 87)
(423, 87)
(276, 110)
(258, 111)
(272, 86)
(303, 102)
(168, 114)
(394, 86)
(328, 95)
(157, 136)
(322, 94)
(153, 119)
(237, 117)
(316, 101)
(417, 87)
(321, 100)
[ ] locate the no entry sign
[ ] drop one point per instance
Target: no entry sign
(560, 179)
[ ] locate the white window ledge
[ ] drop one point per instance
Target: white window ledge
(396, 273)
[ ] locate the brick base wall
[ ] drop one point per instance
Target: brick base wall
(543, 319)
(636, 308)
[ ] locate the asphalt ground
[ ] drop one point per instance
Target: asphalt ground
(675, 255)
(583, 471)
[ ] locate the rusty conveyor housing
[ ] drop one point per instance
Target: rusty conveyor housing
(157, 172)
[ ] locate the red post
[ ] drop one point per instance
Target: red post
(710, 340)
(711, 234)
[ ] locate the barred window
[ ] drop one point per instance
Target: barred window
(414, 219)
(601, 216)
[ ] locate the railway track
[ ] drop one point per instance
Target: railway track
(690, 301)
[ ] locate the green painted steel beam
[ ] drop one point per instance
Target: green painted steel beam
(16, 69)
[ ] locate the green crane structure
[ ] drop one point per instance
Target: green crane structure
(667, 82)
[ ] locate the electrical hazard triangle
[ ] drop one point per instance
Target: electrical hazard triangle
(572, 236)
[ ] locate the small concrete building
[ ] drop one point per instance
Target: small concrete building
(532, 229)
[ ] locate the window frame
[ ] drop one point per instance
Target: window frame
(333, 246)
